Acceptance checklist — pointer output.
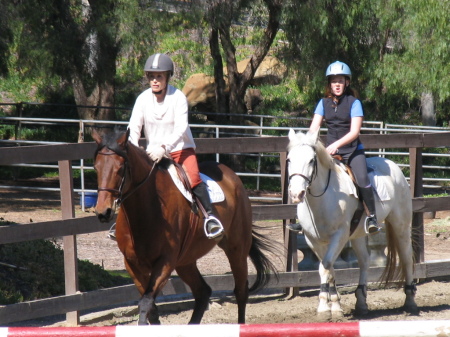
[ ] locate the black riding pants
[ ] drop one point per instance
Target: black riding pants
(357, 161)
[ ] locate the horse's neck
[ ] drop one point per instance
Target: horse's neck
(320, 183)
(138, 169)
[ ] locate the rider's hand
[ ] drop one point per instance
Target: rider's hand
(332, 149)
(157, 153)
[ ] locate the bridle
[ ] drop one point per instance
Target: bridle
(313, 174)
(119, 192)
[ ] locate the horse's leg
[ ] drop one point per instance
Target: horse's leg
(329, 300)
(324, 309)
(335, 300)
(148, 311)
(237, 256)
(360, 248)
(147, 306)
(200, 290)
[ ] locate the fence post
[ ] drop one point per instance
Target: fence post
(290, 238)
(69, 242)
(416, 185)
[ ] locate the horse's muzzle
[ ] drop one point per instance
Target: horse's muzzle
(105, 216)
(296, 198)
(105, 213)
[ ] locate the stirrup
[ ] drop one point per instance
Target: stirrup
(295, 227)
(112, 232)
(371, 226)
(213, 227)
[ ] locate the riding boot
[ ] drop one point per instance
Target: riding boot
(368, 198)
(295, 227)
(212, 226)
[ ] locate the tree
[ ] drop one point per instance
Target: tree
(221, 16)
(320, 32)
(397, 50)
(418, 63)
(77, 41)
(6, 38)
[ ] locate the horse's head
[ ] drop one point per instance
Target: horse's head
(110, 165)
(302, 163)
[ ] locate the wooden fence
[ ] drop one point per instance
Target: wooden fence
(68, 227)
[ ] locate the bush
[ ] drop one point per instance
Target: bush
(39, 272)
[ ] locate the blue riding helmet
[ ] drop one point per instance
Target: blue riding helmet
(338, 68)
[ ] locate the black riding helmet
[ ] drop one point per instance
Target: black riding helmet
(159, 63)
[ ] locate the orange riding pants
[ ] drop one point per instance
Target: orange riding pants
(188, 160)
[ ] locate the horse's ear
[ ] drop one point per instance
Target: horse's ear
(96, 136)
(123, 139)
(291, 134)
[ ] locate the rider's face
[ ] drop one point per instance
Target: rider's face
(157, 80)
(338, 83)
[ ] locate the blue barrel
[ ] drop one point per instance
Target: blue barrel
(90, 199)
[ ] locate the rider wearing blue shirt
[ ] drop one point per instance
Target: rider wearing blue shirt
(344, 115)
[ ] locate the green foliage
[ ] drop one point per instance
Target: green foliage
(421, 51)
(396, 49)
(278, 99)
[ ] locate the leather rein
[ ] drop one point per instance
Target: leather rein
(121, 197)
(313, 175)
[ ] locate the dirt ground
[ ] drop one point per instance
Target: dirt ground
(433, 297)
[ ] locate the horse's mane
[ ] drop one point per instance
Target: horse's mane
(323, 156)
(111, 141)
(308, 139)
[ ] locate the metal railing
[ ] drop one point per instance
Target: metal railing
(218, 131)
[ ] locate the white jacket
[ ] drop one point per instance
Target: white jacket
(164, 124)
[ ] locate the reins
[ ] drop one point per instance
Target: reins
(118, 191)
(313, 176)
(326, 187)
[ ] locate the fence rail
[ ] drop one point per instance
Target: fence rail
(69, 227)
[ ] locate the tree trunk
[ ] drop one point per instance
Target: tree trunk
(221, 96)
(102, 95)
(428, 113)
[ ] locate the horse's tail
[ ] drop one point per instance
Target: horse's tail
(392, 271)
(264, 267)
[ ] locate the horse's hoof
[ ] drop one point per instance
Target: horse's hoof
(324, 316)
(411, 309)
(337, 316)
(361, 311)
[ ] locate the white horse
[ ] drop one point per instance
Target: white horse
(327, 200)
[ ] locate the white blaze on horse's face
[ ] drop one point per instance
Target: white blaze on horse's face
(301, 168)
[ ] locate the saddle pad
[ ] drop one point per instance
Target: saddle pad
(350, 185)
(379, 184)
(376, 180)
(215, 192)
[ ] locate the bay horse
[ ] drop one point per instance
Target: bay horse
(327, 200)
(158, 232)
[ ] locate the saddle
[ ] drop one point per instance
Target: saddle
(361, 206)
(196, 204)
